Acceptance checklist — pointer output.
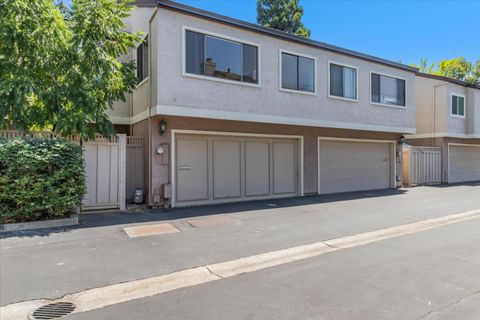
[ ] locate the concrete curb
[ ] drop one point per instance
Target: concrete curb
(33, 225)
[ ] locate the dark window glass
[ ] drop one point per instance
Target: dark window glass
(454, 105)
(289, 71)
(461, 106)
(298, 73)
(142, 60)
(220, 58)
(249, 64)
(194, 53)
(223, 59)
(388, 90)
(375, 88)
(458, 105)
(306, 74)
(336, 80)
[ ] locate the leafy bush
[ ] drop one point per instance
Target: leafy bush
(39, 179)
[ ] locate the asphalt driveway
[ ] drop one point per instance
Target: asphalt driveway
(50, 264)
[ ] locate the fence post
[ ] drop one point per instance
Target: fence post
(122, 167)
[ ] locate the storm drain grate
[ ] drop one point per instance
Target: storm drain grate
(52, 311)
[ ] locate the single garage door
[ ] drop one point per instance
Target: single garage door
(464, 163)
(354, 166)
(214, 168)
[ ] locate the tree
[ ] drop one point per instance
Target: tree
(63, 74)
(424, 67)
(458, 68)
(284, 15)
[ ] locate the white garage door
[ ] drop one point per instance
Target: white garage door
(464, 163)
(353, 166)
(214, 168)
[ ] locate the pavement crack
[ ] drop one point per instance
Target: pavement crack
(213, 273)
(432, 312)
(331, 246)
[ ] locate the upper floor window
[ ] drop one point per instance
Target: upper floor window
(216, 57)
(387, 90)
(297, 73)
(458, 105)
(142, 60)
(343, 81)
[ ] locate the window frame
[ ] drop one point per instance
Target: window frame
(147, 76)
(330, 62)
(385, 104)
(315, 78)
(452, 94)
(226, 38)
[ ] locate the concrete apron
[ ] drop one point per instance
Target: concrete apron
(113, 294)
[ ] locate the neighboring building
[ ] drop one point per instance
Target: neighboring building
(448, 116)
(233, 111)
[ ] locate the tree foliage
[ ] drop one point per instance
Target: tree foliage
(59, 66)
(284, 15)
(458, 68)
(424, 66)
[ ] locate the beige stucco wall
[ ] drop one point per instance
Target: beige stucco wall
(141, 97)
(429, 92)
(433, 94)
(173, 89)
(473, 111)
(139, 100)
(161, 173)
(457, 125)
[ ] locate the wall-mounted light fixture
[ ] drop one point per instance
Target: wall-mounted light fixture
(162, 126)
(401, 140)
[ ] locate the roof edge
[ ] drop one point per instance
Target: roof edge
(276, 33)
(437, 77)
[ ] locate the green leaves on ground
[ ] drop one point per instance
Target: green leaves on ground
(63, 74)
(284, 15)
(39, 179)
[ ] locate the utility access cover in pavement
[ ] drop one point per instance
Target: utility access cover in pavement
(52, 311)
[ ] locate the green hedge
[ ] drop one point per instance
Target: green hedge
(39, 179)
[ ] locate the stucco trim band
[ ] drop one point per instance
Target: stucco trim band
(263, 118)
(443, 135)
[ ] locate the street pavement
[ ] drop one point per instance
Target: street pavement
(432, 274)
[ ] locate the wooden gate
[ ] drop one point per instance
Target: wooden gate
(105, 159)
(134, 167)
(422, 165)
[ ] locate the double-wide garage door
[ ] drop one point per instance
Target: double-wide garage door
(464, 163)
(211, 169)
(354, 165)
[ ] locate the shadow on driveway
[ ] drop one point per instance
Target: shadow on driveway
(103, 219)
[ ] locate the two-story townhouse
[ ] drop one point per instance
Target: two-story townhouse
(233, 111)
(448, 116)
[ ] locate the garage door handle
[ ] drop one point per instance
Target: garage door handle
(184, 168)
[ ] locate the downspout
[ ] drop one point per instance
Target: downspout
(150, 48)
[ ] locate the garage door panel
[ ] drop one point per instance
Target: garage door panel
(226, 169)
(257, 168)
(219, 168)
(284, 168)
(354, 166)
(464, 162)
(192, 169)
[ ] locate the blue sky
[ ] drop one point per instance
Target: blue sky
(396, 30)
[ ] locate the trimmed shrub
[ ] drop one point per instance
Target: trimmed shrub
(39, 179)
